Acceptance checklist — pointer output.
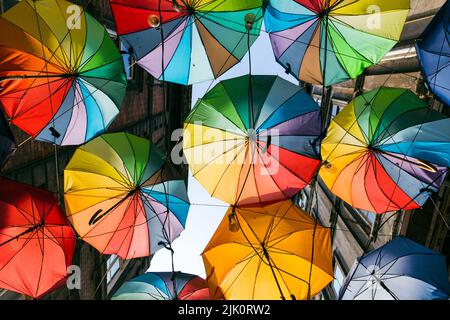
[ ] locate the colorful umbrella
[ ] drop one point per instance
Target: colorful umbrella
(164, 286)
(330, 41)
(433, 49)
(7, 143)
(36, 243)
(253, 147)
(386, 151)
(400, 270)
(202, 38)
(121, 199)
(267, 253)
(61, 76)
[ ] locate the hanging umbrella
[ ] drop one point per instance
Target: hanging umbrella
(7, 143)
(433, 49)
(267, 253)
(386, 151)
(121, 199)
(36, 243)
(400, 270)
(258, 154)
(61, 76)
(163, 286)
(202, 38)
(331, 41)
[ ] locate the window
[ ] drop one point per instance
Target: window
(335, 110)
(112, 266)
(302, 199)
(7, 4)
(338, 279)
(127, 61)
(368, 216)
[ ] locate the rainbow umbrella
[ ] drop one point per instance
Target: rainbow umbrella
(61, 76)
(36, 242)
(267, 253)
(253, 148)
(121, 199)
(197, 40)
(433, 50)
(386, 151)
(331, 41)
(164, 286)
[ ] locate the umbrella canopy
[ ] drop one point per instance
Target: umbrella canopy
(261, 253)
(400, 270)
(62, 78)
(330, 41)
(7, 142)
(433, 49)
(253, 143)
(121, 199)
(36, 243)
(198, 40)
(164, 286)
(386, 151)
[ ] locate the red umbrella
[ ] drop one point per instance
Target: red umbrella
(36, 243)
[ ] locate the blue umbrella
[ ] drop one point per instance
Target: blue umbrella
(164, 286)
(7, 143)
(400, 270)
(433, 50)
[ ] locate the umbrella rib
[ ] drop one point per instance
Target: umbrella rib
(271, 226)
(380, 123)
(415, 175)
(63, 61)
(53, 53)
(230, 95)
(59, 47)
(60, 87)
(26, 241)
(86, 62)
(289, 170)
(252, 167)
(230, 149)
(205, 104)
(241, 148)
(111, 210)
(256, 278)
(236, 277)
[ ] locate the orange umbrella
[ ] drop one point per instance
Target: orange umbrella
(264, 253)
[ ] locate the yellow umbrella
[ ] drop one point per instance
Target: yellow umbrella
(267, 253)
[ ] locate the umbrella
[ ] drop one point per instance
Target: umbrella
(36, 243)
(202, 38)
(400, 270)
(267, 253)
(163, 286)
(433, 49)
(331, 41)
(253, 148)
(386, 151)
(61, 76)
(7, 143)
(120, 198)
